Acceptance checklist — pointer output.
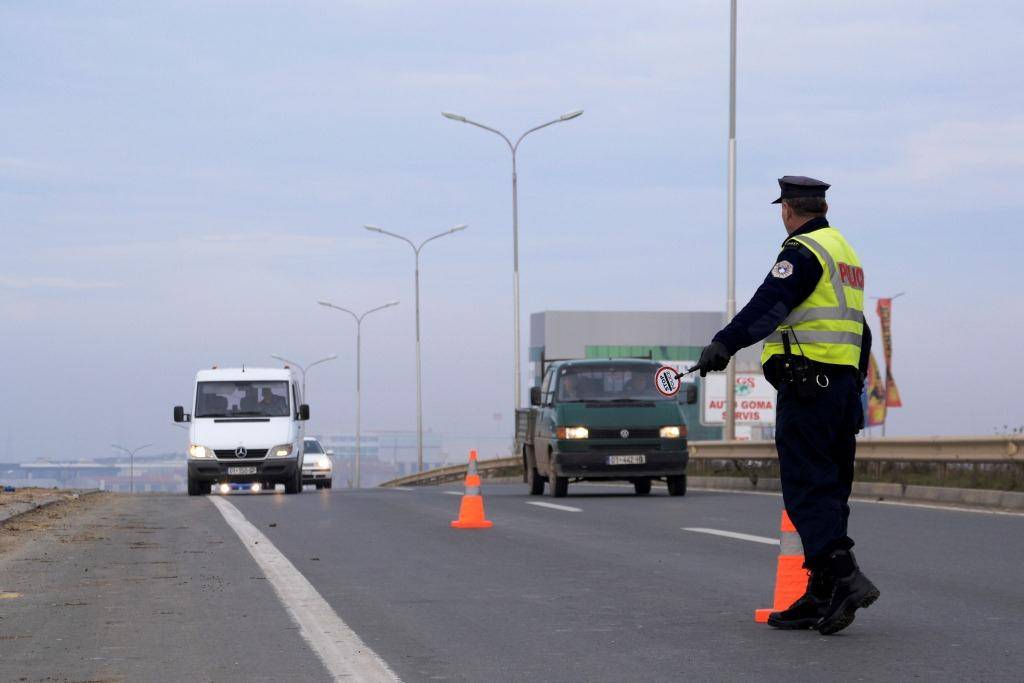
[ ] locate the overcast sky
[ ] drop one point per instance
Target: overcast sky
(181, 181)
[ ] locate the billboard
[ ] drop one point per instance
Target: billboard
(755, 400)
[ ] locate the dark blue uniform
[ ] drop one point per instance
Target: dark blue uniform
(816, 438)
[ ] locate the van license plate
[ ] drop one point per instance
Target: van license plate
(248, 470)
(627, 459)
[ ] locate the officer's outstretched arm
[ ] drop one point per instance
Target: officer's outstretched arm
(791, 280)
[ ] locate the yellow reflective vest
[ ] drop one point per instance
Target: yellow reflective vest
(826, 326)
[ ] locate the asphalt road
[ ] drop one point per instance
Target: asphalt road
(162, 588)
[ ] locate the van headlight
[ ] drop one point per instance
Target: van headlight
(573, 433)
(673, 432)
(282, 451)
(200, 452)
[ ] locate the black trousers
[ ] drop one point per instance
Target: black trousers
(816, 442)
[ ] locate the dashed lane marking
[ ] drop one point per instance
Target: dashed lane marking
(402, 488)
(553, 506)
(734, 534)
(452, 493)
(345, 655)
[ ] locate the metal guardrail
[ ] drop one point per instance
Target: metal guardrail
(488, 469)
(933, 449)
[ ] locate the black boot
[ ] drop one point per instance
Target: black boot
(852, 591)
(809, 608)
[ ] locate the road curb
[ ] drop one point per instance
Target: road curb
(19, 509)
(1012, 500)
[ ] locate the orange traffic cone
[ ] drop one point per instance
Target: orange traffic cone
(790, 575)
(471, 510)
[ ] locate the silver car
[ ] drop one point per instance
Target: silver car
(317, 467)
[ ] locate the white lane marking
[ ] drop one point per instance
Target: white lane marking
(453, 493)
(343, 652)
(553, 506)
(402, 488)
(858, 499)
(734, 534)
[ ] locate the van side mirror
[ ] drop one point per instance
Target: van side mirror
(691, 394)
(534, 396)
(180, 416)
(304, 412)
(330, 451)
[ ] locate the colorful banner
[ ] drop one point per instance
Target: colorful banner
(876, 407)
(892, 394)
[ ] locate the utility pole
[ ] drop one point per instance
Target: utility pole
(730, 297)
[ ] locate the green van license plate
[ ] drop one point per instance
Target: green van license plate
(627, 459)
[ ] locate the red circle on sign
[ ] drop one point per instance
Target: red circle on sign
(666, 382)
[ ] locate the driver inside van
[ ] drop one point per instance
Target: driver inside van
(271, 403)
(638, 384)
(569, 390)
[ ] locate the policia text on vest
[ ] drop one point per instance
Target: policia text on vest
(809, 311)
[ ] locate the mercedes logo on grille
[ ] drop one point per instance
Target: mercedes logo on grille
(240, 452)
(624, 433)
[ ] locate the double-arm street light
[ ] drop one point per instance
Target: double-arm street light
(303, 370)
(419, 392)
(514, 147)
(131, 462)
(359, 371)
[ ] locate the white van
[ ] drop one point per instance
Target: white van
(247, 426)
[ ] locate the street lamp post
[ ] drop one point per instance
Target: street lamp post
(131, 463)
(359, 371)
(514, 147)
(303, 370)
(730, 297)
(419, 391)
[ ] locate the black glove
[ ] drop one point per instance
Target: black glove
(713, 358)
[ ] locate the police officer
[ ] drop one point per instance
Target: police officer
(810, 313)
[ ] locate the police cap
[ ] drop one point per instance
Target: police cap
(794, 186)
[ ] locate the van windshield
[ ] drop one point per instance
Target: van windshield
(242, 399)
(613, 382)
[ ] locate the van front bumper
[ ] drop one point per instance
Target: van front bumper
(277, 470)
(595, 464)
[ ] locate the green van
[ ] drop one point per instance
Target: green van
(602, 420)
